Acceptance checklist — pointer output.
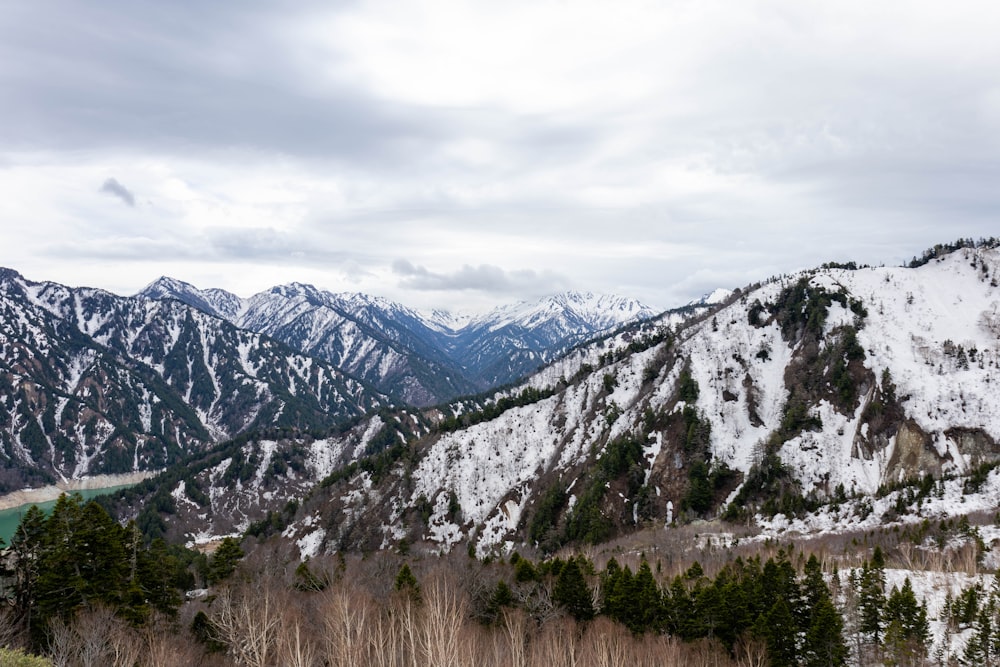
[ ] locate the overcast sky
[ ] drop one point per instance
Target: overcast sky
(464, 154)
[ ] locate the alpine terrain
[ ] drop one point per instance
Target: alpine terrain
(91, 383)
(419, 359)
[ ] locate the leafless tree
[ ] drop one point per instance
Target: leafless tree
(94, 638)
(557, 644)
(606, 644)
(515, 632)
(10, 628)
(165, 648)
(296, 649)
(444, 612)
(248, 622)
(751, 652)
(347, 616)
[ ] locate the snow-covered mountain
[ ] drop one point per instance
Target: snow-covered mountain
(823, 387)
(421, 359)
(91, 382)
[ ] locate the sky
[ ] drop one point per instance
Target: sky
(461, 155)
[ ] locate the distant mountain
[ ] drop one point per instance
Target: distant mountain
(716, 296)
(91, 382)
(420, 359)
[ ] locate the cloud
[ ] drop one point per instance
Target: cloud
(658, 150)
(482, 278)
(115, 189)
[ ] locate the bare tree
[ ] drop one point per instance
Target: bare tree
(444, 612)
(94, 638)
(296, 650)
(607, 643)
(10, 628)
(515, 632)
(750, 652)
(387, 641)
(164, 648)
(249, 622)
(348, 618)
(557, 644)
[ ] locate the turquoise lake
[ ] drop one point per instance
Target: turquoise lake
(10, 519)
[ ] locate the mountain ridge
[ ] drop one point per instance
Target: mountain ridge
(94, 382)
(423, 359)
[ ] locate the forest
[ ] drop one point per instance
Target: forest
(84, 590)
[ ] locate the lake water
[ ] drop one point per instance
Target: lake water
(11, 519)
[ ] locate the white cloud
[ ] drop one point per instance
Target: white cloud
(639, 147)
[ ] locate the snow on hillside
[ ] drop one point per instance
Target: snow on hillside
(912, 316)
(934, 329)
(569, 312)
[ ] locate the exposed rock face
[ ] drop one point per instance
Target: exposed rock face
(976, 444)
(913, 455)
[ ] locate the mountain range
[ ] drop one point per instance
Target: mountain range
(92, 382)
(818, 401)
(418, 359)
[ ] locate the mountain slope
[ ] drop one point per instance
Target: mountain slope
(93, 382)
(510, 342)
(420, 359)
(829, 384)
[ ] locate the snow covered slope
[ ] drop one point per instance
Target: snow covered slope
(421, 359)
(92, 383)
(827, 384)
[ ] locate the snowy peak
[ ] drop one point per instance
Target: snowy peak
(422, 359)
(213, 301)
(715, 297)
(583, 311)
(99, 383)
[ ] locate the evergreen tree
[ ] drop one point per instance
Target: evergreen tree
(778, 628)
(571, 591)
(679, 611)
(648, 600)
(618, 593)
(907, 629)
(733, 584)
(709, 610)
(27, 544)
(501, 597)
(223, 562)
(406, 583)
(824, 642)
(814, 588)
(79, 557)
(871, 598)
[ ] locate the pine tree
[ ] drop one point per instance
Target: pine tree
(223, 562)
(648, 600)
(824, 642)
(871, 598)
(709, 610)
(778, 628)
(571, 591)
(679, 611)
(80, 557)
(907, 629)
(406, 583)
(618, 593)
(26, 547)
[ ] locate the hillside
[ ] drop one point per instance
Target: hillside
(818, 387)
(96, 383)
